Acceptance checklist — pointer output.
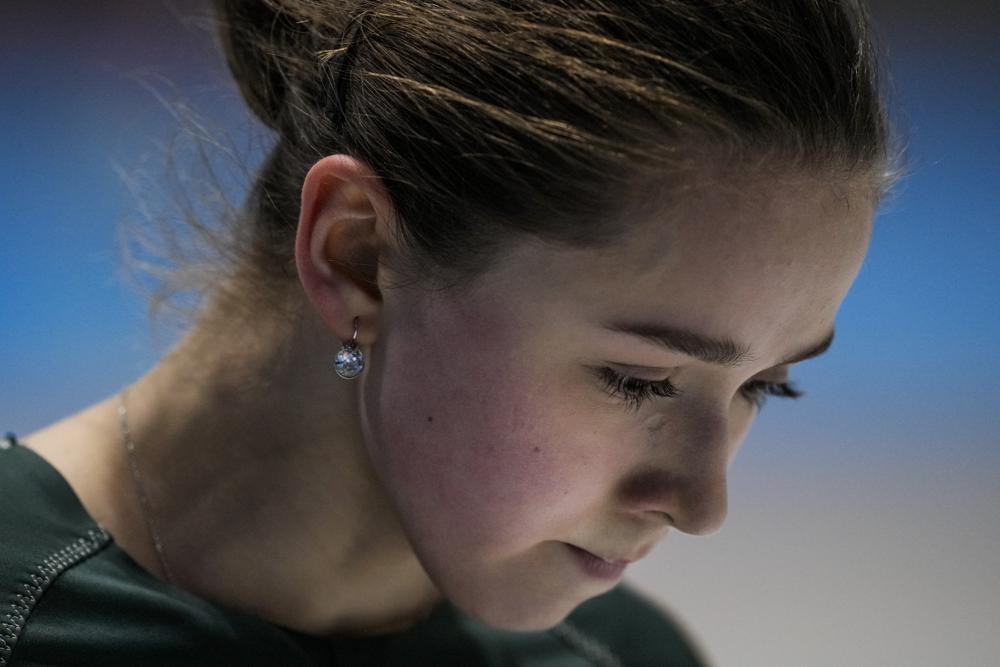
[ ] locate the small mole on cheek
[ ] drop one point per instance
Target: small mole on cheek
(537, 450)
(430, 419)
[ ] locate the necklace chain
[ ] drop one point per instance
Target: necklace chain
(137, 476)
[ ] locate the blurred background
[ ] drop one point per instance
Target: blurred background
(864, 524)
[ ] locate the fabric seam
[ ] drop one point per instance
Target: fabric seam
(44, 573)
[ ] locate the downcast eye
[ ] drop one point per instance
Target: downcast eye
(757, 391)
(632, 391)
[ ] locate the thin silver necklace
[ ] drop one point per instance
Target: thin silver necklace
(137, 476)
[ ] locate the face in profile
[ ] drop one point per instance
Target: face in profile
(564, 403)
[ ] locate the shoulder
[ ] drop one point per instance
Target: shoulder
(39, 512)
(43, 537)
(68, 595)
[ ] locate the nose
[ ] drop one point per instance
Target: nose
(693, 504)
(684, 477)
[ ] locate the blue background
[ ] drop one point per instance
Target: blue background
(905, 404)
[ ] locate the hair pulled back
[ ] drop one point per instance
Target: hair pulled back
(489, 120)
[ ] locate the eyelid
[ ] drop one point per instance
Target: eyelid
(778, 374)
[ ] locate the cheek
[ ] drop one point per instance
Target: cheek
(478, 447)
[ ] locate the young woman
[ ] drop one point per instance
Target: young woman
(503, 302)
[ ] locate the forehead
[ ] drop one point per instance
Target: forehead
(766, 262)
(738, 230)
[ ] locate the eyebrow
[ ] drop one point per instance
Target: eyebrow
(717, 351)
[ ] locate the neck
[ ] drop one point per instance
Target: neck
(261, 487)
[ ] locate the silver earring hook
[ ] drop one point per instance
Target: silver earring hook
(350, 360)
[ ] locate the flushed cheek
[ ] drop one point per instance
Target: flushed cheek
(486, 460)
(489, 465)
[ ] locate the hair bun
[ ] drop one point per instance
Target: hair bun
(264, 43)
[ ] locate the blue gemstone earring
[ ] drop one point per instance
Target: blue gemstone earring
(350, 359)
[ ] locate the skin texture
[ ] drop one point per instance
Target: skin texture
(480, 439)
(496, 440)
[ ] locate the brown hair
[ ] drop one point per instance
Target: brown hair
(491, 120)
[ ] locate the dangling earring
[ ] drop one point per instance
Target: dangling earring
(350, 359)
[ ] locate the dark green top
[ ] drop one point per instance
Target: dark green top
(69, 595)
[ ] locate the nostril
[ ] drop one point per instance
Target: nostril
(693, 501)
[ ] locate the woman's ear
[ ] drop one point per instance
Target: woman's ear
(338, 244)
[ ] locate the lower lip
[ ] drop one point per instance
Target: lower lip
(596, 567)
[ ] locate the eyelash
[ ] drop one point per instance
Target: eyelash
(634, 392)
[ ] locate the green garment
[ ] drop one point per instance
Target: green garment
(69, 595)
